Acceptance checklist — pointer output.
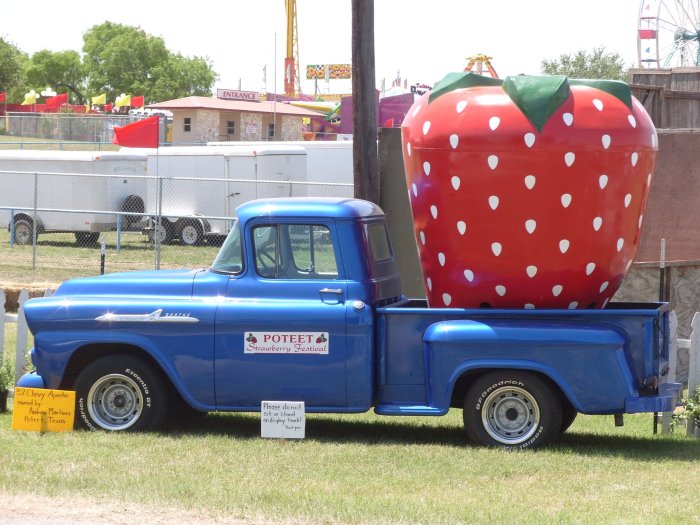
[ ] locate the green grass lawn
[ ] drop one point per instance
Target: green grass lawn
(8, 142)
(366, 469)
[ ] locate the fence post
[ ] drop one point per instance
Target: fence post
(22, 336)
(34, 231)
(12, 228)
(694, 355)
(2, 324)
(159, 220)
(667, 417)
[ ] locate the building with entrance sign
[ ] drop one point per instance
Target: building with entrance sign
(233, 116)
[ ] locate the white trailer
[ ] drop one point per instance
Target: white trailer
(66, 191)
(196, 189)
(328, 163)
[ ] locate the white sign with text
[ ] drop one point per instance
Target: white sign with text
(286, 343)
(282, 419)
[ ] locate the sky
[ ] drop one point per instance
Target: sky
(420, 41)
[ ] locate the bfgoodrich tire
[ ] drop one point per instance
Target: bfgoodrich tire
(512, 409)
(120, 393)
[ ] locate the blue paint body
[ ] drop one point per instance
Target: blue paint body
(384, 351)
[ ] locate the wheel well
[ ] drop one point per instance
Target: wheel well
(89, 353)
(195, 221)
(25, 217)
(468, 378)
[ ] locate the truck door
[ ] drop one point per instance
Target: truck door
(281, 330)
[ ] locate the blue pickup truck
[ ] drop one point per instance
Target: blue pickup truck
(303, 303)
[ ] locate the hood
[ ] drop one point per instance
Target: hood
(155, 283)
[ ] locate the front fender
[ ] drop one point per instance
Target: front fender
(587, 362)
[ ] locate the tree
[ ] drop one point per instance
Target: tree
(12, 62)
(124, 59)
(596, 65)
(62, 70)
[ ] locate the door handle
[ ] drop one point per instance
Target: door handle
(337, 291)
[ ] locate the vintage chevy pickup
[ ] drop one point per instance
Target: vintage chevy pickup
(304, 303)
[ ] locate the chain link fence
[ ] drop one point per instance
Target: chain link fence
(107, 213)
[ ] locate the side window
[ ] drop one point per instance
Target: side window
(379, 241)
(230, 127)
(267, 254)
(187, 124)
(294, 251)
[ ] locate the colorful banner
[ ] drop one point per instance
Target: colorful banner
(123, 100)
(137, 102)
(99, 99)
(142, 134)
(57, 101)
(335, 71)
(3, 97)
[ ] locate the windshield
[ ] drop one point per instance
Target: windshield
(230, 257)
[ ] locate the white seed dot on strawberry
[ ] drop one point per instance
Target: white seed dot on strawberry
(603, 286)
(603, 181)
(632, 120)
(598, 104)
(429, 282)
(568, 118)
(635, 158)
(590, 267)
(461, 105)
(441, 259)
(469, 275)
(415, 189)
(447, 299)
(426, 127)
(629, 265)
(530, 225)
(557, 289)
(649, 180)
(597, 223)
(529, 139)
(628, 199)
(493, 161)
(501, 290)
(606, 141)
(408, 148)
(620, 244)
(493, 202)
(426, 168)
(573, 305)
(641, 217)
(434, 211)
(566, 200)
(454, 141)
(564, 245)
(569, 158)
(531, 271)
(653, 139)
(530, 181)
(496, 248)
(494, 122)
(462, 227)
(422, 238)
(529, 306)
(456, 182)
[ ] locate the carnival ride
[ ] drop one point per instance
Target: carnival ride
(483, 65)
(668, 33)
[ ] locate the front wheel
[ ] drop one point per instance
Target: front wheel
(120, 393)
(512, 409)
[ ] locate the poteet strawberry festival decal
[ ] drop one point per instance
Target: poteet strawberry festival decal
(527, 192)
(285, 343)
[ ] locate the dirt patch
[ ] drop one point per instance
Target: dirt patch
(12, 291)
(32, 509)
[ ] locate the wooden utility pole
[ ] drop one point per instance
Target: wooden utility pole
(364, 102)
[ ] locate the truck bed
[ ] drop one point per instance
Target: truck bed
(599, 359)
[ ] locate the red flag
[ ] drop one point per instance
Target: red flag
(3, 96)
(57, 101)
(137, 102)
(141, 134)
(108, 108)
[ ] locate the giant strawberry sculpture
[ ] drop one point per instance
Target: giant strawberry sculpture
(527, 192)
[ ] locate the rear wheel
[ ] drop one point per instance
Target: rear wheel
(120, 393)
(192, 234)
(24, 231)
(86, 238)
(512, 409)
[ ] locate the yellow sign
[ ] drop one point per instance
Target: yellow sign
(329, 71)
(43, 410)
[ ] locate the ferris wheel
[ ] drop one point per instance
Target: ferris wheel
(668, 34)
